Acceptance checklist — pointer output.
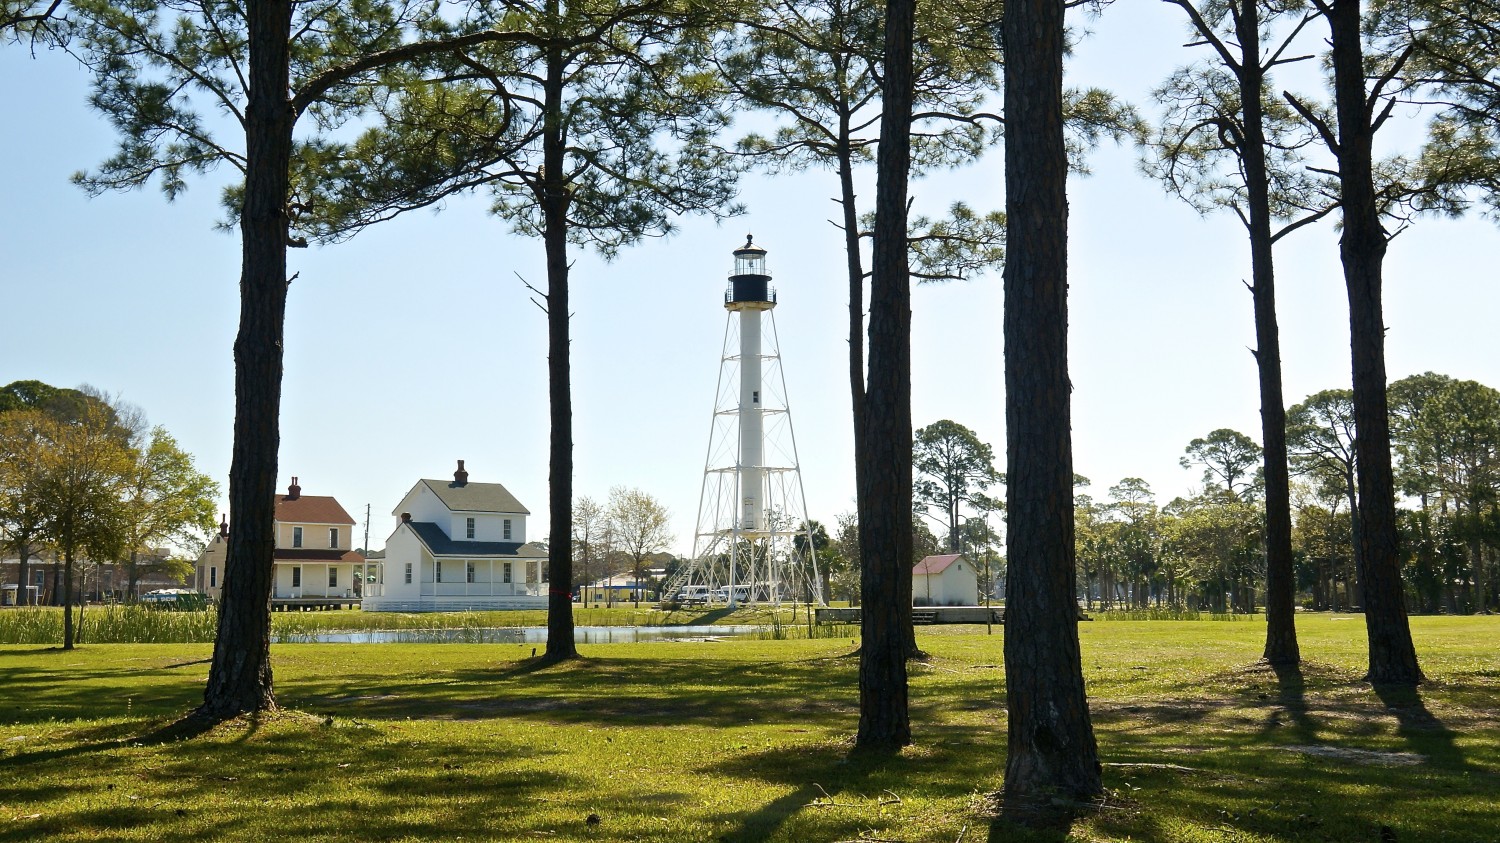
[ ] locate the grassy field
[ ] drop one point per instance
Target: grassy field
(748, 740)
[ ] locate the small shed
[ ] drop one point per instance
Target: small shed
(945, 580)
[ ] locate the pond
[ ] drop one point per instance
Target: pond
(520, 635)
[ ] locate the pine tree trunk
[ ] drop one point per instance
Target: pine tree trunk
(1393, 658)
(1281, 585)
(1051, 748)
(1355, 553)
(885, 489)
(856, 291)
(131, 578)
(68, 600)
(1476, 564)
(22, 571)
(239, 679)
(554, 200)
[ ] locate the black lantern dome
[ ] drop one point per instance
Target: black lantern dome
(750, 283)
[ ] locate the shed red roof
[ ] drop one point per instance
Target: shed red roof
(936, 564)
(310, 509)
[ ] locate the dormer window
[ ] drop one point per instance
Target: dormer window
(469, 528)
(296, 537)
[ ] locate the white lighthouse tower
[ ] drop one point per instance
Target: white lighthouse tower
(752, 542)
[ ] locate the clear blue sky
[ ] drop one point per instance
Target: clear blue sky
(414, 344)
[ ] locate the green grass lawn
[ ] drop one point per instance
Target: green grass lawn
(748, 740)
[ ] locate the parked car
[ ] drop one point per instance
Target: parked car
(693, 595)
(180, 599)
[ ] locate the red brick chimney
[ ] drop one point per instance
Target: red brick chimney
(460, 477)
(223, 526)
(406, 518)
(293, 491)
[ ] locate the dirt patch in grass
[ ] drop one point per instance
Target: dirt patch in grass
(1360, 756)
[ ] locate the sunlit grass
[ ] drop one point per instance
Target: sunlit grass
(747, 740)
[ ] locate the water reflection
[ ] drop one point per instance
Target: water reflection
(519, 635)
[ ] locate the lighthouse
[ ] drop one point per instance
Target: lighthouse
(750, 295)
(752, 543)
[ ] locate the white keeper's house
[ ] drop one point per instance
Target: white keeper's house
(459, 546)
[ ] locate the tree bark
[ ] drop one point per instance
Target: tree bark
(131, 578)
(68, 600)
(885, 510)
(23, 550)
(1051, 748)
(554, 200)
(1281, 629)
(1393, 658)
(239, 679)
(856, 290)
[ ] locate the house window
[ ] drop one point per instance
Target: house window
(213, 577)
(408, 573)
(297, 576)
(470, 570)
(507, 529)
(507, 572)
(469, 528)
(333, 577)
(439, 566)
(333, 537)
(296, 537)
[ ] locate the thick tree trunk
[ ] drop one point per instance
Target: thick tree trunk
(885, 490)
(1051, 748)
(1393, 658)
(23, 580)
(856, 290)
(1281, 585)
(239, 679)
(554, 199)
(68, 600)
(1476, 566)
(131, 577)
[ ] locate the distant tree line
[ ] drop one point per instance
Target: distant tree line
(84, 480)
(1208, 551)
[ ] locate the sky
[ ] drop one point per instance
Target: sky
(415, 344)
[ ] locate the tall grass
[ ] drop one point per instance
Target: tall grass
(1169, 615)
(107, 625)
(141, 625)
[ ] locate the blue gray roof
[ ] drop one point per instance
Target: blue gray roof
(475, 497)
(439, 544)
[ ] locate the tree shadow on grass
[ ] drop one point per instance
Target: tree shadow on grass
(1420, 728)
(1291, 704)
(296, 773)
(625, 692)
(839, 792)
(105, 738)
